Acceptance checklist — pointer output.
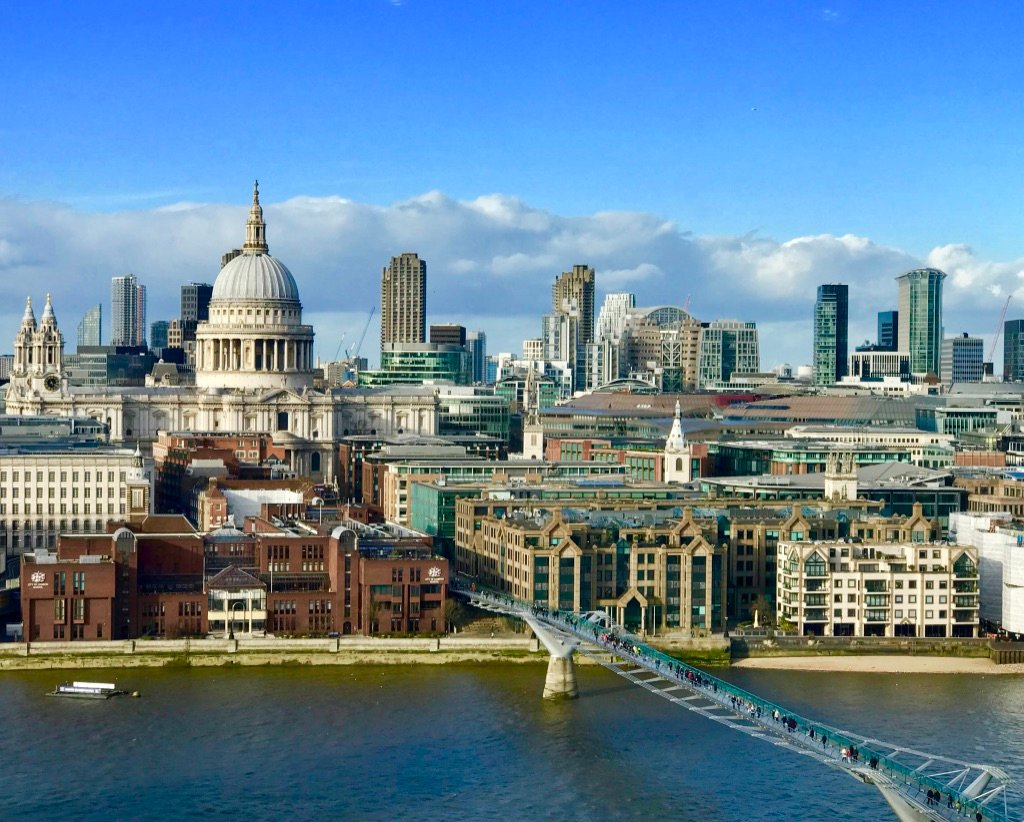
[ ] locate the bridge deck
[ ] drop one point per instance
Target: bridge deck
(965, 790)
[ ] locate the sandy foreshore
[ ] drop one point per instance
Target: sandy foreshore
(891, 664)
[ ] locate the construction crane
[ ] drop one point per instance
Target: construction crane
(341, 342)
(999, 329)
(359, 345)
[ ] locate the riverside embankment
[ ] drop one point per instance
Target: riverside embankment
(267, 651)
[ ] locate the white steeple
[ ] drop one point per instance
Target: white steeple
(49, 318)
(677, 453)
(676, 442)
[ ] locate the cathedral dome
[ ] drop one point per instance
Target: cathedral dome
(255, 276)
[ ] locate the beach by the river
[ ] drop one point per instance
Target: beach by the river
(883, 664)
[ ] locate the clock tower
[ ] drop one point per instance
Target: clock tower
(39, 352)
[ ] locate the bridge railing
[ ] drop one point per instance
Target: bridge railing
(630, 646)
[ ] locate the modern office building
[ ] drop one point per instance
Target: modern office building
(831, 328)
(962, 360)
(1013, 351)
(920, 318)
(127, 311)
(195, 308)
(416, 363)
(476, 342)
(158, 336)
(448, 334)
(888, 330)
(90, 329)
(727, 347)
(403, 300)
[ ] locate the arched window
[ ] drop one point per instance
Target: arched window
(679, 463)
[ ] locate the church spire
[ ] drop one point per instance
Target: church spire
(29, 317)
(676, 441)
(255, 228)
(49, 318)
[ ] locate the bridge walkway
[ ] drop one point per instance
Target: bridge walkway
(965, 790)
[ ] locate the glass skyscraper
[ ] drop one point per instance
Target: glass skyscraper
(920, 321)
(888, 330)
(90, 329)
(831, 329)
(1013, 351)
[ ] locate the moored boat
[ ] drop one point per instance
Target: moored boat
(87, 690)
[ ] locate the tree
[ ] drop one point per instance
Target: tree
(454, 614)
(373, 608)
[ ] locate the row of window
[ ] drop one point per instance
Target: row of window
(51, 476)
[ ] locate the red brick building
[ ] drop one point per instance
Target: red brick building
(162, 578)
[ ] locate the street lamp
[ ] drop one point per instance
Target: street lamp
(231, 619)
(318, 503)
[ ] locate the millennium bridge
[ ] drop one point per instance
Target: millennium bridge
(917, 785)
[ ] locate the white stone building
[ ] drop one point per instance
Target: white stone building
(911, 589)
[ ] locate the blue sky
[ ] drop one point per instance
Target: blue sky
(898, 124)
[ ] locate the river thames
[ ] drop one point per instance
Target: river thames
(464, 742)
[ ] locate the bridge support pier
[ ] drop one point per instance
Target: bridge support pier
(560, 682)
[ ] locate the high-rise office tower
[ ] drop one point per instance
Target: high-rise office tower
(476, 342)
(962, 360)
(403, 300)
(128, 311)
(888, 330)
(90, 329)
(920, 321)
(1013, 351)
(831, 326)
(569, 330)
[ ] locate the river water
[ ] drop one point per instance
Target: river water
(463, 742)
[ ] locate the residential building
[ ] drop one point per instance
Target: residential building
(831, 329)
(569, 330)
(403, 300)
(962, 359)
(128, 311)
(920, 318)
(90, 329)
(908, 589)
(875, 365)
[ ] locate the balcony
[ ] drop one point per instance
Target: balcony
(876, 586)
(812, 585)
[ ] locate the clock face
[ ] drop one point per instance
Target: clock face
(52, 382)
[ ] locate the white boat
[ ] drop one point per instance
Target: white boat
(87, 690)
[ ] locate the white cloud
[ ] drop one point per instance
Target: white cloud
(491, 263)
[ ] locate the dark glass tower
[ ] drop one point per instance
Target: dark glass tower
(831, 329)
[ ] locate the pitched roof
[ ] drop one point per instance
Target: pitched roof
(232, 578)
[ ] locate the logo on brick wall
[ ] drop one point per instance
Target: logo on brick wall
(37, 580)
(434, 573)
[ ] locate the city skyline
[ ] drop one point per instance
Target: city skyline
(738, 156)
